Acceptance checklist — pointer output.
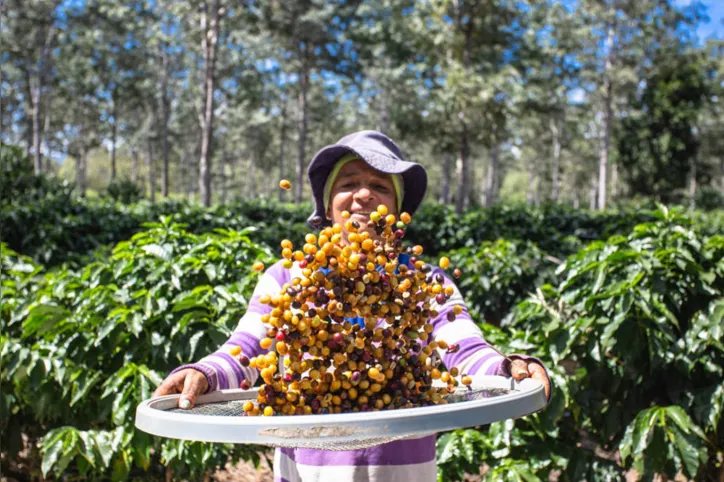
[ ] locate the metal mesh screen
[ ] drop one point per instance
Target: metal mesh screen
(235, 409)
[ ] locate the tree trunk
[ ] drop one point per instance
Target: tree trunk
(529, 190)
(555, 133)
(46, 129)
(250, 179)
(224, 162)
(446, 168)
(134, 165)
(692, 184)
(282, 142)
(191, 171)
(304, 111)
(593, 190)
(607, 119)
(209, 40)
(36, 91)
(462, 178)
(461, 173)
(151, 164)
(34, 99)
(614, 181)
(80, 169)
(114, 134)
(491, 182)
(165, 117)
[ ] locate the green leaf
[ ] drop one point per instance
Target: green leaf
(690, 449)
(51, 453)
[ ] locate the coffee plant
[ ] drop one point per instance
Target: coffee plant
(100, 300)
(81, 348)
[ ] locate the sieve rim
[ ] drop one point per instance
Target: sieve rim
(526, 397)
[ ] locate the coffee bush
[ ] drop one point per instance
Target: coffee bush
(81, 348)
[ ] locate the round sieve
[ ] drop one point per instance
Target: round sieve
(217, 417)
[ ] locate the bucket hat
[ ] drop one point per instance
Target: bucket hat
(381, 154)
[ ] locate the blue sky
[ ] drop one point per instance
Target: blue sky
(715, 11)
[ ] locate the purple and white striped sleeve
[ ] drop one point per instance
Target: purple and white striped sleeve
(224, 371)
(474, 355)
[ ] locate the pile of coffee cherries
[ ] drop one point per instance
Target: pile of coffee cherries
(354, 329)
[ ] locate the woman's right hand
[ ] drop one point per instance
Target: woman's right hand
(189, 383)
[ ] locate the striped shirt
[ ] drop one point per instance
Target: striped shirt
(403, 460)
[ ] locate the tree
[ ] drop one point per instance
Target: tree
(29, 36)
(309, 33)
(620, 36)
(658, 147)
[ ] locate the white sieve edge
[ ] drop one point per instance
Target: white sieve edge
(527, 397)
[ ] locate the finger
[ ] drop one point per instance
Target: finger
(537, 372)
(519, 370)
(192, 387)
(169, 386)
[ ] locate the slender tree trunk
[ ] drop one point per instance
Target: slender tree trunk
(384, 119)
(529, 190)
(593, 190)
(721, 173)
(491, 181)
(224, 181)
(165, 116)
(185, 168)
(614, 181)
(209, 39)
(46, 130)
(151, 164)
(80, 169)
(191, 172)
(114, 134)
(34, 99)
(607, 119)
(303, 114)
(555, 134)
(250, 179)
(462, 178)
(282, 146)
(692, 185)
(134, 165)
(36, 91)
(461, 173)
(446, 168)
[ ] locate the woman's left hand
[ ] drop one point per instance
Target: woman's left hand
(520, 369)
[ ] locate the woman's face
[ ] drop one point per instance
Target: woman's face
(359, 189)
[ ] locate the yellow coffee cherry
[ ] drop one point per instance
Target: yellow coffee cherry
(284, 184)
(345, 214)
(444, 262)
(258, 266)
(265, 343)
(466, 380)
(235, 350)
(268, 411)
(405, 218)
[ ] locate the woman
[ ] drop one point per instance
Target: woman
(360, 172)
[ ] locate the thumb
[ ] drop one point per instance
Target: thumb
(192, 388)
(519, 370)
